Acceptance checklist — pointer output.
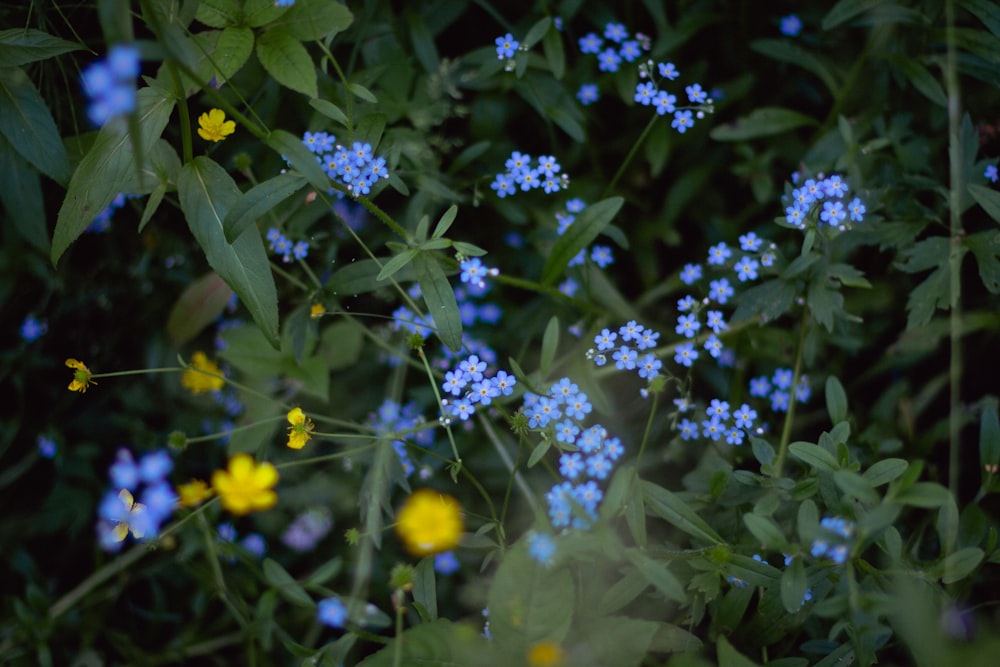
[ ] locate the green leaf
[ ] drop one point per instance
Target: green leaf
(925, 298)
(762, 450)
(787, 51)
(219, 13)
(27, 124)
(768, 300)
(20, 46)
(550, 342)
(836, 400)
(807, 520)
(986, 11)
(845, 10)
(362, 276)
(657, 574)
(765, 531)
(21, 195)
(330, 110)
(959, 565)
(285, 584)
(309, 20)
(929, 495)
(396, 263)
(825, 302)
(360, 91)
(675, 511)
(108, 168)
(587, 226)
(730, 657)
(529, 602)
(762, 122)
(232, 52)
(423, 42)
(855, 486)
(793, 586)
(299, 157)
(814, 455)
(425, 588)
(257, 201)
(287, 61)
(444, 224)
(257, 13)
(921, 79)
(536, 32)
(539, 452)
(440, 299)
(927, 254)
(883, 472)
(568, 121)
(987, 198)
(617, 640)
(207, 193)
(986, 248)
(439, 643)
(199, 305)
(989, 437)
(555, 54)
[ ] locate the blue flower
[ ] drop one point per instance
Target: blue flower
(591, 440)
(991, 173)
(833, 213)
(734, 436)
(685, 354)
(548, 165)
(760, 386)
(718, 408)
(462, 408)
(782, 378)
(795, 214)
(575, 205)
(744, 416)
(649, 367)
(578, 407)
(616, 32)
(608, 60)
(47, 447)
(688, 429)
(625, 358)
(124, 473)
(590, 43)
(695, 94)
(712, 428)
(32, 329)
(720, 290)
(332, 612)
(506, 46)
(155, 466)
(542, 548)
(445, 563)
(668, 71)
(750, 242)
(566, 431)
(644, 93)
(110, 84)
(605, 340)
(857, 209)
(664, 104)
(255, 544)
(682, 121)
(834, 186)
(571, 465)
(300, 250)
(779, 401)
(713, 346)
(746, 269)
(790, 25)
(647, 339)
(690, 274)
(688, 325)
(569, 287)
(503, 184)
(630, 51)
(719, 253)
(715, 321)
(631, 331)
(686, 303)
(598, 466)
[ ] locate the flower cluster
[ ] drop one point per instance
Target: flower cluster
(778, 389)
(308, 528)
(469, 383)
(357, 168)
(835, 544)
(110, 84)
(288, 251)
(390, 418)
(520, 173)
(649, 93)
(119, 514)
(822, 201)
(719, 422)
(601, 255)
(626, 357)
(620, 46)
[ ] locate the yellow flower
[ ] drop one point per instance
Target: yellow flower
(195, 378)
(81, 376)
(193, 493)
(214, 126)
(316, 311)
(246, 486)
(546, 654)
(429, 522)
(300, 431)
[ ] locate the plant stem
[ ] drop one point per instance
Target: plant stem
(649, 426)
(628, 158)
(66, 602)
(786, 429)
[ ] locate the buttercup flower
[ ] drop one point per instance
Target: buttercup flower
(316, 311)
(81, 376)
(429, 522)
(246, 486)
(200, 378)
(300, 431)
(193, 493)
(213, 126)
(546, 654)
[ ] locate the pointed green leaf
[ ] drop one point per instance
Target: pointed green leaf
(730, 657)
(836, 400)
(199, 305)
(793, 586)
(930, 295)
(986, 248)
(258, 13)
(763, 122)
(675, 511)
(299, 157)
(287, 587)
(257, 201)
(929, 495)
(362, 92)
(845, 10)
(444, 224)
(330, 110)
(20, 46)
(21, 196)
(550, 342)
(207, 194)
(396, 263)
(536, 32)
(287, 61)
(555, 54)
(814, 455)
(439, 296)
(309, 20)
(784, 50)
(987, 198)
(232, 51)
(219, 13)
(439, 643)
(587, 226)
(883, 472)
(108, 168)
(921, 78)
(762, 450)
(27, 124)
(657, 574)
(959, 565)
(765, 531)
(855, 486)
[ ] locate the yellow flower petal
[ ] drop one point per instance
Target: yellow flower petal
(246, 486)
(429, 522)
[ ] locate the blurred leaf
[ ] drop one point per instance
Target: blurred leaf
(207, 193)
(959, 565)
(762, 122)
(550, 342)
(287, 61)
(536, 32)
(257, 201)
(883, 472)
(440, 643)
(397, 263)
(824, 303)
(423, 42)
(219, 13)
(986, 11)
(765, 531)
(258, 13)
(555, 55)
(929, 495)
(675, 511)
(730, 657)
(330, 110)
(309, 20)
(793, 586)
(360, 91)
(439, 296)
(27, 124)
(925, 298)
(362, 276)
(814, 455)
(21, 195)
(199, 305)
(529, 602)
(299, 157)
(986, 248)
(836, 400)
(989, 437)
(287, 587)
(762, 450)
(444, 224)
(425, 587)
(108, 167)
(784, 50)
(855, 486)
(845, 10)
(20, 46)
(769, 300)
(658, 575)
(921, 79)
(587, 226)
(988, 199)
(617, 640)
(340, 345)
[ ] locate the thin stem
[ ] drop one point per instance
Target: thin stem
(437, 397)
(649, 426)
(628, 158)
(187, 147)
(786, 429)
(123, 562)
